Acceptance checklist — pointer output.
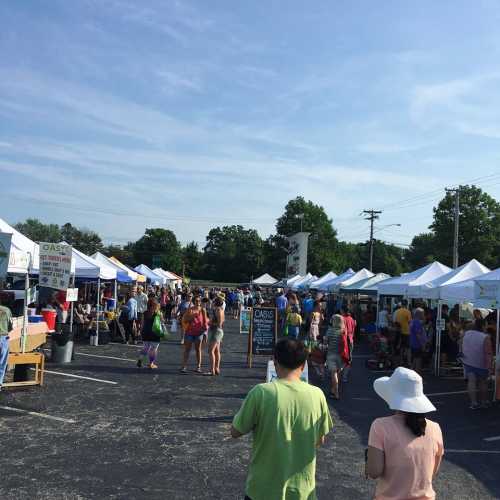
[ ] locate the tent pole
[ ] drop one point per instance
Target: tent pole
(98, 311)
(497, 350)
(437, 350)
(25, 312)
(72, 306)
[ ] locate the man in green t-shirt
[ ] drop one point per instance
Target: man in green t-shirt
(289, 420)
(5, 329)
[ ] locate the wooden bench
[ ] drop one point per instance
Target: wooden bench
(28, 358)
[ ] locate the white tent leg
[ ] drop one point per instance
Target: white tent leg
(98, 311)
(24, 331)
(437, 350)
(497, 351)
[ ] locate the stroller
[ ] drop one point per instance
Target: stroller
(381, 350)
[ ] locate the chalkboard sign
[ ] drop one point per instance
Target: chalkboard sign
(263, 330)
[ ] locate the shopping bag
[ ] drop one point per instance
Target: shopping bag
(164, 331)
(157, 325)
(173, 327)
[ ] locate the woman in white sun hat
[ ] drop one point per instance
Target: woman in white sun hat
(404, 450)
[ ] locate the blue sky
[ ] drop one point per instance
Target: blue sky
(118, 115)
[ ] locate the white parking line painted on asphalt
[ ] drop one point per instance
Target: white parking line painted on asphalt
(446, 393)
(105, 357)
(473, 451)
(79, 376)
(36, 414)
(494, 438)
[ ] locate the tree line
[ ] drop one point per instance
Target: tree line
(236, 254)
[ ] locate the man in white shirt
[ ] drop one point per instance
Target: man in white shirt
(142, 306)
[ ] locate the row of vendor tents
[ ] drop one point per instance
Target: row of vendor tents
(24, 258)
(471, 282)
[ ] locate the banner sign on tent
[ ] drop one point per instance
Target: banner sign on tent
(72, 295)
(245, 319)
(263, 332)
(55, 265)
(488, 291)
(5, 240)
(272, 375)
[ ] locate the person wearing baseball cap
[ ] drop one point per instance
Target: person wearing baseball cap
(404, 450)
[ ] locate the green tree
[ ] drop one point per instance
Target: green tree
(323, 243)
(38, 231)
(274, 252)
(158, 248)
(233, 254)
(84, 240)
(123, 254)
(479, 229)
(422, 250)
(192, 259)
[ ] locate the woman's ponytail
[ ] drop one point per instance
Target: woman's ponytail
(416, 423)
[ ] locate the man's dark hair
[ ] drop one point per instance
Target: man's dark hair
(404, 303)
(290, 353)
(480, 324)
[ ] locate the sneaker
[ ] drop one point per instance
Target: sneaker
(139, 363)
(475, 406)
(183, 369)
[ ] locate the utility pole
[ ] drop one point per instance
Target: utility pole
(456, 217)
(373, 215)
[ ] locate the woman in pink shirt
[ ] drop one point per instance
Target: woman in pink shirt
(478, 363)
(406, 449)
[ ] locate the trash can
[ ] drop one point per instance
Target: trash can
(62, 347)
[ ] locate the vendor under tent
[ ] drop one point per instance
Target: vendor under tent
(154, 278)
(358, 276)
(399, 285)
(316, 284)
(432, 289)
(25, 254)
(132, 274)
(366, 286)
(264, 280)
(325, 286)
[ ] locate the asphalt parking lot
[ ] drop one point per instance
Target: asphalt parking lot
(101, 428)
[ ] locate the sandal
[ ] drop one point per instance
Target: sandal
(198, 370)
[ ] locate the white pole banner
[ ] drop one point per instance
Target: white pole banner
(55, 265)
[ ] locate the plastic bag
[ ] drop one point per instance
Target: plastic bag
(157, 325)
(173, 327)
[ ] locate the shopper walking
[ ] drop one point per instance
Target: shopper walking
(195, 322)
(150, 337)
(142, 305)
(215, 335)
(316, 317)
(478, 363)
(406, 449)
(130, 318)
(350, 329)
(288, 420)
(338, 352)
(418, 339)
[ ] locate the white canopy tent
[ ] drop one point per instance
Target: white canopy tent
(22, 251)
(433, 289)
(264, 280)
(358, 276)
(156, 279)
(365, 286)
(316, 284)
(399, 285)
(169, 277)
(487, 288)
(291, 281)
(88, 267)
(305, 282)
(337, 279)
(304, 279)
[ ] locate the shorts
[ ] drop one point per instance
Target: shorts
(215, 334)
(334, 361)
(193, 338)
(481, 373)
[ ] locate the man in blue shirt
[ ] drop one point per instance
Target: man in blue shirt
(131, 320)
(307, 309)
(281, 304)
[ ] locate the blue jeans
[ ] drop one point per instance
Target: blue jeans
(4, 353)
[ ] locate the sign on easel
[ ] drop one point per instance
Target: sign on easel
(55, 265)
(72, 295)
(272, 375)
(245, 319)
(263, 332)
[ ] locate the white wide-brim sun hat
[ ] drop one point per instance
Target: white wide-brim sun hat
(404, 391)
